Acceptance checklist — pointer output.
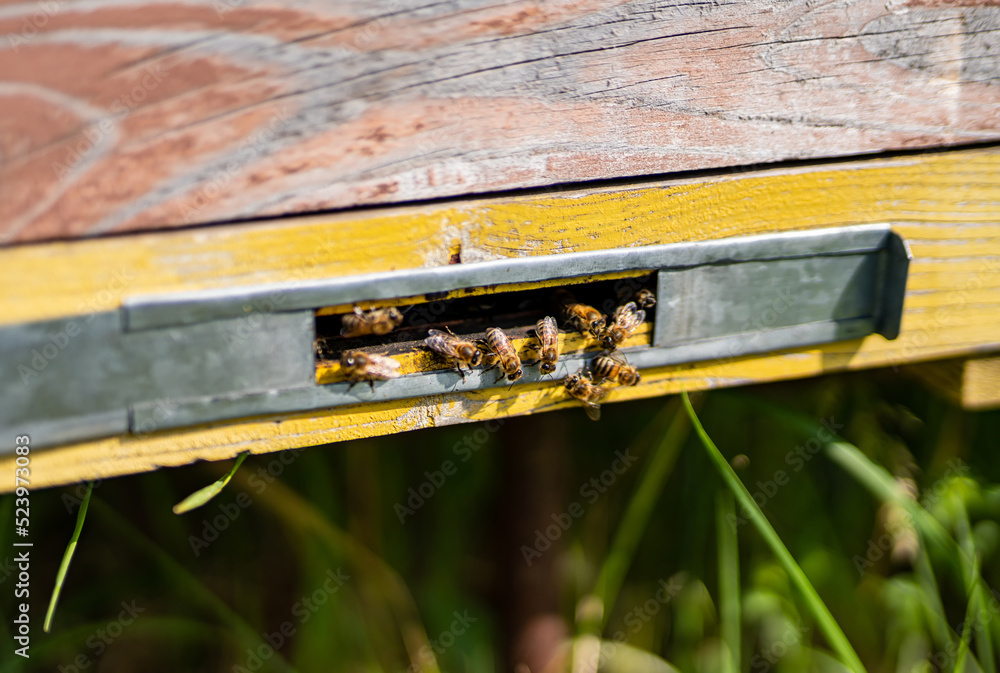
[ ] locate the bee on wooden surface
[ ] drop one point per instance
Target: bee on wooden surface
(506, 357)
(581, 316)
(581, 387)
(548, 337)
(626, 319)
(614, 367)
(375, 321)
(456, 348)
(633, 291)
(645, 299)
(360, 367)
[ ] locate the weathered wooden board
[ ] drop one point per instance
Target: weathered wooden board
(121, 115)
(947, 205)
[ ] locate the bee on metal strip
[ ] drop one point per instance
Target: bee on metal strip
(626, 319)
(645, 299)
(581, 387)
(614, 367)
(581, 316)
(506, 357)
(375, 321)
(360, 367)
(457, 349)
(548, 336)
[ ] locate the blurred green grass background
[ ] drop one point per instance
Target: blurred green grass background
(330, 562)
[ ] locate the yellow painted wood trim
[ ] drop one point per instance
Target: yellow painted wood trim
(958, 191)
(946, 204)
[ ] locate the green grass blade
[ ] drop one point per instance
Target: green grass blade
(885, 488)
(827, 624)
(640, 508)
(304, 516)
(882, 485)
(618, 657)
(729, 577)
(924, 573)
(203, 495)
(189, 585)
(963, 529)
(67, 557)
(970, 610)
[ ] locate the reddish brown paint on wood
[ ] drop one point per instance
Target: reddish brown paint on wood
(118, 117)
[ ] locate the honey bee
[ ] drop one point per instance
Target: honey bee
(548, 337)
(645, 299)
(505, 356)
(459, 350)
(581, 387)
(626, 319)
(582, 317)
(359, 367)
(614, 367)
(375, 321)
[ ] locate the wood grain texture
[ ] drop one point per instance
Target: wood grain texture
(120, 115)
(947, 205)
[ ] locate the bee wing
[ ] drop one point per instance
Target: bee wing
(438, 342)
(629, 317)
(618, 357)
(593, 411)
(384, 368)
(625, 310)
(384, 361)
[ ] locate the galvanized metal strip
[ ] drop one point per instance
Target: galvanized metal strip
(148, 312)
(194, 411)
(726, 300)
(714, 301)
(67, 429)
(891, 291)
(826, 298)
(72, 380)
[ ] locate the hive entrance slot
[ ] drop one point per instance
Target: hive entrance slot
(516, 312)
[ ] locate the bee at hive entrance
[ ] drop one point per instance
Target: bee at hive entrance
(422, 332)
